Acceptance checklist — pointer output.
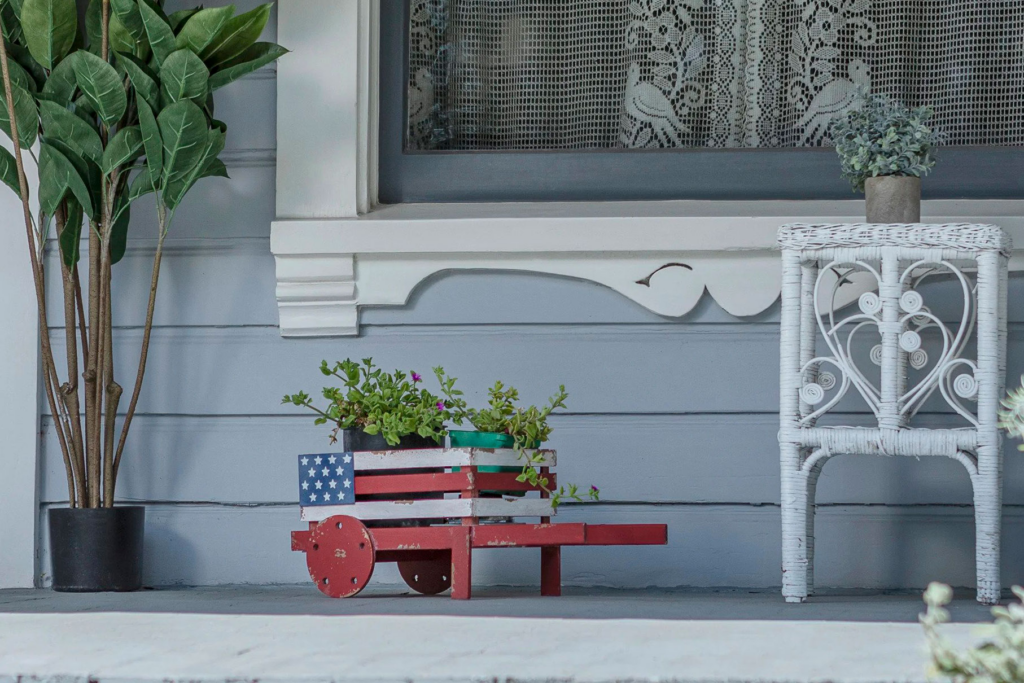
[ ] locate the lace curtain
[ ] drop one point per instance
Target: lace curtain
(586, 74)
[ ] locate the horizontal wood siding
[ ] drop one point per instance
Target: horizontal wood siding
(675, 420)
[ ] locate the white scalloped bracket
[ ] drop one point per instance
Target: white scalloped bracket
(320, 293)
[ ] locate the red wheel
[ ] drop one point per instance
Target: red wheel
(340, 556)
(428, 577)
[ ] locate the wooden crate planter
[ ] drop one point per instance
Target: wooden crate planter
(427, 518)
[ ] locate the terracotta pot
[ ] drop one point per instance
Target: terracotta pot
(893, 199)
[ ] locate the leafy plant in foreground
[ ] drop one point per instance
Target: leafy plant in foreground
(529, 427)
(122, 108)
(883, 137)
(1000, 659)
(390, 404)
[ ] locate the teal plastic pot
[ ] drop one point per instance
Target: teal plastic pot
(467, 439)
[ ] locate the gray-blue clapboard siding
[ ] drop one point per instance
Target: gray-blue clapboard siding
(675, 420)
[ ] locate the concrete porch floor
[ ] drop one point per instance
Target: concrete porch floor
(293, 634)
(576, 603)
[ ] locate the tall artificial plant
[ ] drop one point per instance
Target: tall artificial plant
(110, 112)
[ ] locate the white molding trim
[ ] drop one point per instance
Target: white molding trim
(19, 401)
(328, 269)
(336, 251)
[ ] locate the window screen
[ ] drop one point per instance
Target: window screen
(714, 74)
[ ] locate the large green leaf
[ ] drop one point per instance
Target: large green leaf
(119, 231)
(62, 83)
(214, 168)
(183, 131)
(183, 76)
(101, 86)
(9, 171)
(256, 57)
(56, 176)
(24, 58)
(20, 77)
(124, 147)
(142, 78)
(202, 27)
(151, 141)
(141, 186)
(239, 33)
(119, 37)
(26, 113)
(11, 22)
(127, 12)
(161, 37)
(49, 27)
(176, 19)
(88, 170)
(178, 186)
(70, 237)
(61, 124)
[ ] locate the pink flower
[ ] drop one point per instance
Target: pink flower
(416, 378)
(440, 406)
(595, 489)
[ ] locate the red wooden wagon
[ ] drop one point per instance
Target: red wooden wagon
(428, 509)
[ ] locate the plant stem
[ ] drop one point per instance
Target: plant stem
(91, 375)
(37, 270)
(70, 389)
(163, 220)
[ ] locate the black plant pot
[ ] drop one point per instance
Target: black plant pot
(358, 440)
(97, 550)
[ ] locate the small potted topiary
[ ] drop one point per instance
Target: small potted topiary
(380, 411)
(504, 424)
(884, 148)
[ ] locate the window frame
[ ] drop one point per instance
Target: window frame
(408, 176)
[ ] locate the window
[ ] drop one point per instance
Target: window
(489, 100)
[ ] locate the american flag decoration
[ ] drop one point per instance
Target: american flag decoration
(326, 479)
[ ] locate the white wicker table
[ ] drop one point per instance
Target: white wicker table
(898, 322)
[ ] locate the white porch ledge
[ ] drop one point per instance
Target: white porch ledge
(662, 255)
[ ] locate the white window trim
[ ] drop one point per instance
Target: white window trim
(337, 251)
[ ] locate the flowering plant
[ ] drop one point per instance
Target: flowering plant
(998, 660)
(884, 137)
(390, 404)
(529, 427)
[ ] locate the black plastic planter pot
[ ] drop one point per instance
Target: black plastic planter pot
(358, 440)
(97, 550)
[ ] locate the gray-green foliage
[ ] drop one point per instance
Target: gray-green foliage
(135, 123)
(884, 137)
(999, 659)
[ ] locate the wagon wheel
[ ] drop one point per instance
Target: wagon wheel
(340, 556)
(428, 577)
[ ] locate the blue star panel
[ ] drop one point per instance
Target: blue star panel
(326, 479)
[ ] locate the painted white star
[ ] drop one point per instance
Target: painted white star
(327, 497)
(318, 460)
(319, 485)
(348, 483)
(347, 459)
(312, 496)
(326, 471)
(305, 486)
(312, 472)
(340, 471)
(305, 461)
(333, 484)
(332, 460)
(341, 495)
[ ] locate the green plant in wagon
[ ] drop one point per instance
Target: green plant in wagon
(392, 404)
(121, 108)
(528, 426)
